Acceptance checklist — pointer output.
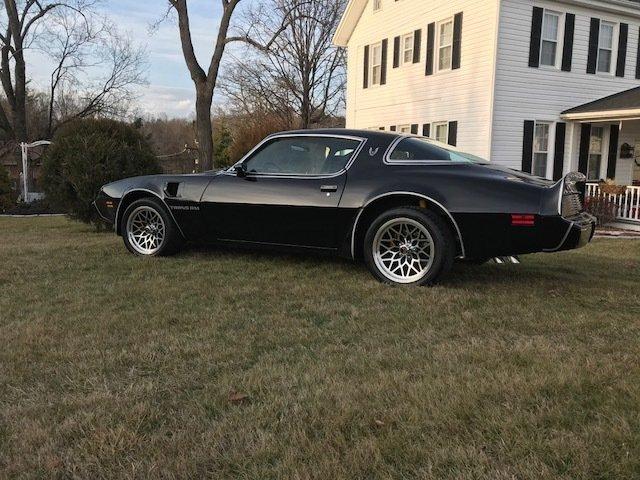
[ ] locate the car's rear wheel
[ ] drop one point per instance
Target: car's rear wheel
(148, 230)
(409, 246)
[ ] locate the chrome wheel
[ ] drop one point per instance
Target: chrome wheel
(146, 230)
(403, 250)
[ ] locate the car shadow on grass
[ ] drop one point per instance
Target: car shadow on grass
(534, 269)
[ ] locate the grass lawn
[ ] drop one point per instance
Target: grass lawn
(226, 364)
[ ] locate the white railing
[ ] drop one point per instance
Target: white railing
(627, 203)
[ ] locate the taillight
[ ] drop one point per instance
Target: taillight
(523, 220)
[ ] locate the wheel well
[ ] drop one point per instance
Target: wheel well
(377, 207)
(127, 200)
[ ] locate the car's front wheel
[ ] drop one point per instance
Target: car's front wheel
(148, 230)
(409, 246)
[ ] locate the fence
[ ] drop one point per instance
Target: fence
(627, 204)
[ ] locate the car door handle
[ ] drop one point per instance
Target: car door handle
(329, 188)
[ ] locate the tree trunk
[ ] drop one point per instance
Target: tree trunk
(204, 128)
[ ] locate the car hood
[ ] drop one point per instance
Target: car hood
(153, 182)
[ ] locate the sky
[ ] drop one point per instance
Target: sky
(170, 90)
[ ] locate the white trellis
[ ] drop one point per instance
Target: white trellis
(28, 196)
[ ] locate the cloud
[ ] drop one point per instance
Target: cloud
(171, 90)
(167, 100)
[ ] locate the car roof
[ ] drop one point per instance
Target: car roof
(342, 131)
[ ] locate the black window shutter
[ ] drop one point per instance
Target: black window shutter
(396, 52)
(426, 130)
(431, 36)
(414, 129)
(457, 41)
(381, 128)
(567, 49)
(453, 133)
(594, 36)
(366, 66)
(392, 128)
(558, 154)
(613, 151)
(417, 43)
(622, 50)
(638, 59)
(383, 67)
(536, 35)
(527, 145)
(585, 140)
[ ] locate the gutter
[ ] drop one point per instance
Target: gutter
(628, 114)
(624, 7)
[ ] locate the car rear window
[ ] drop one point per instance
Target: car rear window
(423, 149)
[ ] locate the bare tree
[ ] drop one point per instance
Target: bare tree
(301, 73)
(96, 68)
(205, 81)
(19, 22)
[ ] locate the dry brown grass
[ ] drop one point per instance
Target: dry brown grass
(117, 367)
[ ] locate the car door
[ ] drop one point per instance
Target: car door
(285, 192)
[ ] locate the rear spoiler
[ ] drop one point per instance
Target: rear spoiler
(551, 203)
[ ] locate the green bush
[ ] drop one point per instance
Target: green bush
(85, 155)
(7, 195)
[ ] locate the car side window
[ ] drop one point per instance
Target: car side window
(421, 149)
(415, 149)
(301, 155)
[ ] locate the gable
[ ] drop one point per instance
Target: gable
(348, 22)
(355, 8)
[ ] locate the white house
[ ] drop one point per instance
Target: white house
(533, 85)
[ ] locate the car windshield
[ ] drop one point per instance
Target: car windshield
(425, 149)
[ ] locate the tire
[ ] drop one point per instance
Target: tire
(409, 246)
(148, 230)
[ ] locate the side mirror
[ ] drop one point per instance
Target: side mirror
(241, 170)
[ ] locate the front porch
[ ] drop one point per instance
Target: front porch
(604, 144)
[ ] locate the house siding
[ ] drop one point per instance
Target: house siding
(526, 93)
(409, 96)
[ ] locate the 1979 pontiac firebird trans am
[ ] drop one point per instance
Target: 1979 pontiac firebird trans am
(405, 204)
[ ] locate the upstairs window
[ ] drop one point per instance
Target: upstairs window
(377, 5)
(445, 44)
(549, 41)
(375, 69)
(404, 128)
(407, 48)
(540, 149)
(605, 47)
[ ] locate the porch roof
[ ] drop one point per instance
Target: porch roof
(619, 106)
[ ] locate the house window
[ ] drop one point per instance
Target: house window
(605, 47)
(445, 44)
(377, 5)
(407, 48)
(375, 69)
(441, 131)
(404, 128)
(549, 42)
(595, 153)
(540, 149)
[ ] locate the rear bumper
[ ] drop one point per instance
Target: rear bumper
(578, 232)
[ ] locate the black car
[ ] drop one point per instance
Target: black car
(405, 204)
